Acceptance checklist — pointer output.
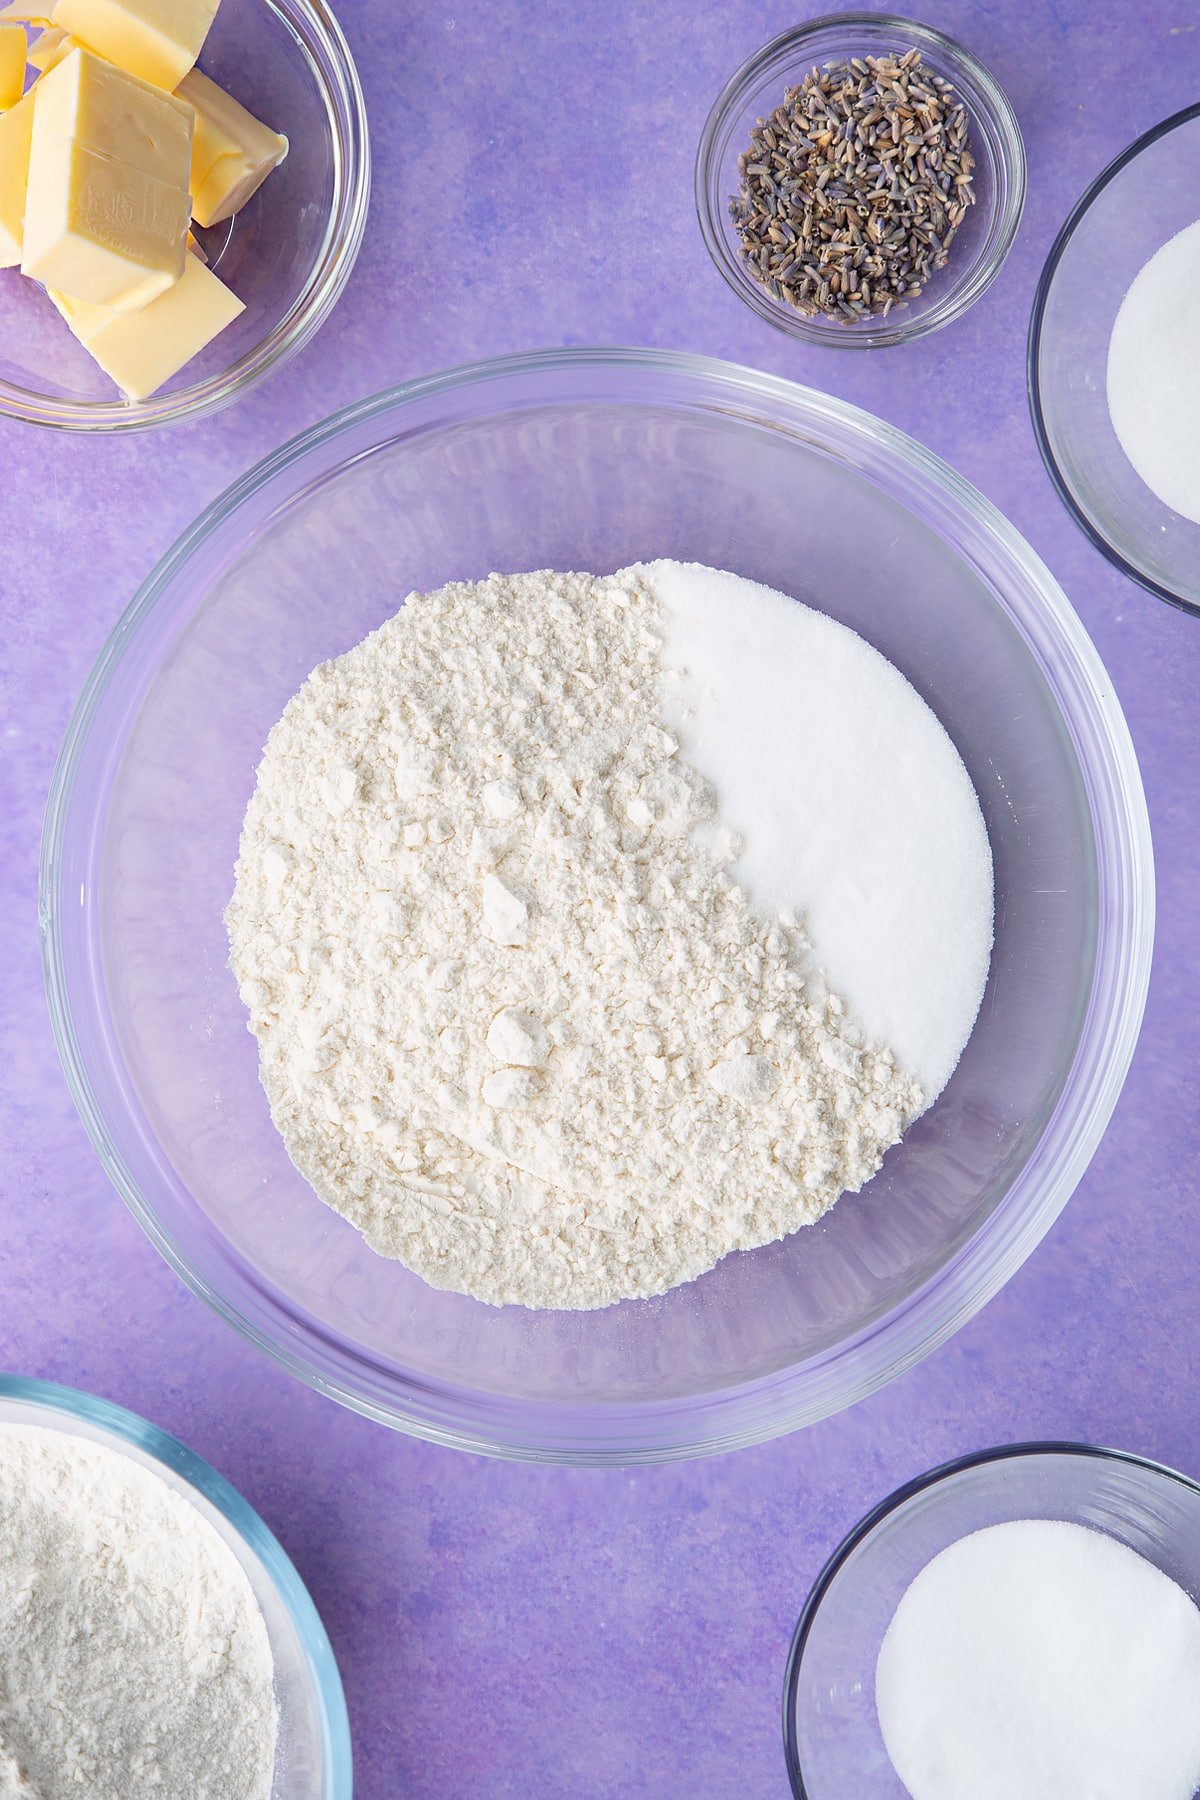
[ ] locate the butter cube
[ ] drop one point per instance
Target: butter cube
(107, 208)
(141, 352)
(232, 151)
(101, 228)
(156, 39)
(16, 127)
(12, 65)
(115, 114)
(49, 48)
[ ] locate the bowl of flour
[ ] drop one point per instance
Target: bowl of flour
(143, 1594)
(634, 804)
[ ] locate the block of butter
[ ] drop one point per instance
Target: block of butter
(107, 208)
(49, 48)
(142, 351)
(156, 39)
(16, 127)
(12, 65)
(232, 151)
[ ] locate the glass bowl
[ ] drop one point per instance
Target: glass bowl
(1141, 200)
(288, 254)
(831, 1732)
(986, 233)
(313, 1759)
(591, 459)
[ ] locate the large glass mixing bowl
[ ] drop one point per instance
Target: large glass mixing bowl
(591, 459)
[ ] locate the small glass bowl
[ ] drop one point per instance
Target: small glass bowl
(985, 235)
(287, 255)
(313, 1761)
(1141, 200)
(831, 1734)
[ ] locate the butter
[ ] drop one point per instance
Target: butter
(107, 110)
(107, 208)
(156, 39)
(16, 127)
(12, 65)
(49, 48)
(143, 351)
(232, 151)
(101, 228)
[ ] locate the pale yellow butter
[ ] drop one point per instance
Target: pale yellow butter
(96, 227)
(107, 208)
(140, 353)
(232, 151)
(49, 48)
(16, 127)
(156, 39)
(115, 114)
(12, 64)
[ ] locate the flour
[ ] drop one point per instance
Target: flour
(134, 1660)
(515, 1018)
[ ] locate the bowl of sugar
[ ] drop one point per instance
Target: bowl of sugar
(1114, 361)
(246, 145)
(1021, 1621)
(545, 1094)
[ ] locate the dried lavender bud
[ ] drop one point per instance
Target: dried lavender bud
(852, 190)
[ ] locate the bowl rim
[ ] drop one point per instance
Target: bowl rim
(895, 1502)
(959, 294)
(1033, 380)
(328, 55)
(765, 1405)
(127, 1428)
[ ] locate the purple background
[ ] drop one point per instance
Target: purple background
(507, 1630)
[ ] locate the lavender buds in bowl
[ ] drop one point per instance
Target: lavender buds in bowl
(860, 181)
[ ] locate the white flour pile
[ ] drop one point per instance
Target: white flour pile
(134, 1660)
(517, 1019)
(1041, 1660)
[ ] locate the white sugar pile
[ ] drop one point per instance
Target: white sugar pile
(1154, 373)
(1040, 1660)
(849, 800)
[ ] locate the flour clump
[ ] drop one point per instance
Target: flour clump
(517, 1021)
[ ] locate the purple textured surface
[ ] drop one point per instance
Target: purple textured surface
(505, 1630)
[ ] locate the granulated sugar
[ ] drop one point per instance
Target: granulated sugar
(848, 800)
(517, 1020)
(1040, 1660)
(1154, 374)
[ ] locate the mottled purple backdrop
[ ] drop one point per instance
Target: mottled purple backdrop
(507, 1630)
